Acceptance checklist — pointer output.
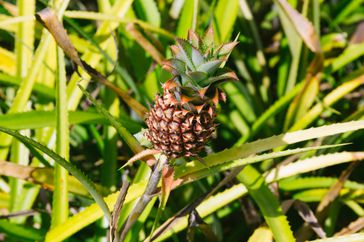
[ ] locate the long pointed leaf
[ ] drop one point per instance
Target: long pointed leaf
(86, 182)
(267, 203)
(220, 200)
(266, 144)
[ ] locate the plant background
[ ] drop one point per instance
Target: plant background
(296, 69)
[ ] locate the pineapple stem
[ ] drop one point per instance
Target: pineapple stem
(149, 193)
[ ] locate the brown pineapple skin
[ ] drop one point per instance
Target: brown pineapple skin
(177, 132)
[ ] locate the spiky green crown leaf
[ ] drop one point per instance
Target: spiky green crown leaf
(197, 62)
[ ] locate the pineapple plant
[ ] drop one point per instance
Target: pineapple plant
(182, 119)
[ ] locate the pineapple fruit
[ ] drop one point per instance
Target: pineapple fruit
(182, 119)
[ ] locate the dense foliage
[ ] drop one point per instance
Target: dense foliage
(73, 106)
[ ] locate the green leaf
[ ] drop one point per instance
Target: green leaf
(295, 46)
(43, 176)
(25, 233)
(189, 54)
(224, 19)
(187, 18)
(8, 60)
(303, 101)
(229, 195)
(267, 203)
(41, 119)
(196, 57)
(197, 76)
(351, 53)
(241, 100)
(229, 76)
(177, 65)
(40, 89)
(312, 195)
(209, 206)
(226, 49)
(60, 211)
(266, 144)
(302, 183)
(250, 160)
(148, 11)
(210, 66)
(329, 100)
(123, 132)
(119, 9)
(90, 39)
(272, 111)
(262, 234)
(358, 237)
(348, 9)
(93, 213)
(301, 25)
(67, 165)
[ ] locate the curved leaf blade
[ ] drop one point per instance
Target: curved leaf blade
(267, 203)
(86, 182)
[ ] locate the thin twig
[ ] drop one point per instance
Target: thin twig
(19, 214)
(49, 20)
(143, 201)
(117, 209)
(189, 208)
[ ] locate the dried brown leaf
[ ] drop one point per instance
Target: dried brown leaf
(309, 217)
(15, 170)
(335, 189)
(11, 8)
(50, 21)
(306, 214)
(195, 221)
(353, 227)
(303, 26)
(358, 36)
(140, 155)
(304, 233)
(190, 207)
(144, 43)
(167, 183)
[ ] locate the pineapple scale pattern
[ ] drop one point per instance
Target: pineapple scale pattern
(182, 119)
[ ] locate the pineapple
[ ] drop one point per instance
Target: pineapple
(182, 119)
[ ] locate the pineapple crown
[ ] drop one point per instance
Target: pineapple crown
(197, 62)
